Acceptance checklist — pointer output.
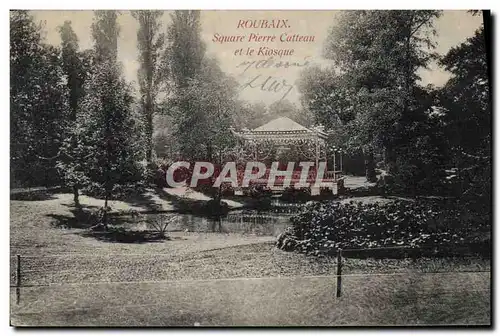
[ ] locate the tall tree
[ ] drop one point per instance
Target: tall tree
(73, 65)
(108, 125)
(378, 54)
(76, 66)
(105, 32)
(214, 95)
(186, 50)
(38, 103)
(184, 55)
(466, 102)
(326, 95)
(151, 73)
(163, 136)
(212, 99)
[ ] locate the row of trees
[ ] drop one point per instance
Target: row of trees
(77, 126)
(76, 121)
(373, 98)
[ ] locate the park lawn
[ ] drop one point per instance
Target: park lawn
(50, 254)
(82, 263)
(37, 229)
(422, 299)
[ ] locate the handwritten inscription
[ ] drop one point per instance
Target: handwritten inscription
(269, 84)
(272, 84)
(272, 63)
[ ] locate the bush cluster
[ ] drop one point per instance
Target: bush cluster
(322, 228)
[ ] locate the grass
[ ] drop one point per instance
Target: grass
(223, 279)
(418, 299)
(244, 261)
(35, 229)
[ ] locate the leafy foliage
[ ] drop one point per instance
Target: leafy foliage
(203, 97)
(203, 130)
(114, 156)
(421, 149)
(105, 31)
(466, 110)
(370, 92)
(38, 100)
(152, 71)
(186, 50)
(109, 132)
(325, 227)
(76, 66)
(296, 194)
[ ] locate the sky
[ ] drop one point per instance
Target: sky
(258, 84)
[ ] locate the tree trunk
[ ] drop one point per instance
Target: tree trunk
(407, 70)
(149, 129)
(105, 215)
(371, 176)
(76, 200)
(218, 195)
(389, 160)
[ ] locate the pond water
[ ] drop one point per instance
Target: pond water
(262, 224)
(269, 222)
(237, 221)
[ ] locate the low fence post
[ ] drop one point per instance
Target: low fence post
(18, 279)
(339, 272)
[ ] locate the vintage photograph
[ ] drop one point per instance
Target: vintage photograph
(228, 168)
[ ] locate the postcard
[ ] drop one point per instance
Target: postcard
(224, 168)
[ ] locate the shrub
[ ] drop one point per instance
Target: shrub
(160, 169)
(160, 179)
(296, 194)
(214, 208)
(227, 189)
(159, 223)
(257, 191)
(325, 227)
(260, 197)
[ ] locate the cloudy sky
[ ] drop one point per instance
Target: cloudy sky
(453, 27)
